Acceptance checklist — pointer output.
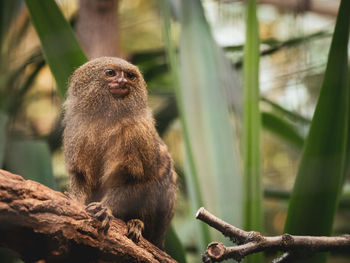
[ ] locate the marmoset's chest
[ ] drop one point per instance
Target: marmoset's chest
(100, 150)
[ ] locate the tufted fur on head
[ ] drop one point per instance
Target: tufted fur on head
(88, 95)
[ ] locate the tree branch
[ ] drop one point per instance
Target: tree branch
(40, 223)
(252, 242)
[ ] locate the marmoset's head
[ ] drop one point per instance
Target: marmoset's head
(107, 86)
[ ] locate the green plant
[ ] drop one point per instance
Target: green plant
(322, 167)
(252, 196)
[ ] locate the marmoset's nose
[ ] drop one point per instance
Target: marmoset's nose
(120, 77)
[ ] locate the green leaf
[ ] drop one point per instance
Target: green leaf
(252, 195)
(280, 194)
(61, 49)
(173, 246)
(30, 159)
(283, 129)
(293, 116)
(191, 175)
(347, 159)
(3, 126)
(8, 11)
(321, 171)
(15, 97)
(205, 77)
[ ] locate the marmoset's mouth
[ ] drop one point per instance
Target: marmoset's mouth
(119, 90)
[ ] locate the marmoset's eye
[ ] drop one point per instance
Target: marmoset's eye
(130, 75)
(110, 72)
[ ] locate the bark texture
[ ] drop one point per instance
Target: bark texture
(42, 224)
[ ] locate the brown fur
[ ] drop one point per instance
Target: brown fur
(113, 152)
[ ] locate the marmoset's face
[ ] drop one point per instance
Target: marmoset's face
(114, 75)
(107, 85)
(120, 81)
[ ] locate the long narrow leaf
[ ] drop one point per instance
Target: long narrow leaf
(14, 100)
(190, 167)
(282, 129)
(320, 176)
(293, 116)
(61, 49)
(347, 158)
(204, 78)
(252, 197)
(173, 246)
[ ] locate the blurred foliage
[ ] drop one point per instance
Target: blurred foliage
(252, 194)
(31, 158)
(196, 78)
(61, 49)
(283, 129)
(3, 135)
(18, 70)
(192, 179)
(322, 167)
(16, 81)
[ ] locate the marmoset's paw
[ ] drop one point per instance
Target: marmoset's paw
(69, 195)
(102, 213)
(135, 228)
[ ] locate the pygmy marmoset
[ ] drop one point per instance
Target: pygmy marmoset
(117, 161)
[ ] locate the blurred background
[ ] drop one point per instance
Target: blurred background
(295, 38)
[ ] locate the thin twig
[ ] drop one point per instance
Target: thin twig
(252, 242)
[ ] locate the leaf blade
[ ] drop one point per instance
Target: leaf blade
(204, 80)
(173, 246)
(191, 173)
(252, 195)
(321, 171)
(61, 49)
(283, 129)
